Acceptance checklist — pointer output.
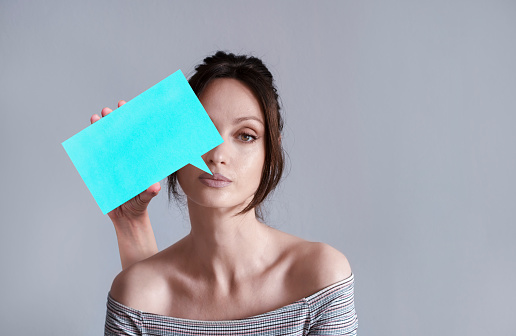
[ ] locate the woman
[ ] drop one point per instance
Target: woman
(231, 273)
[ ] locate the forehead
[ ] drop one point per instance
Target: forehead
(228, 98)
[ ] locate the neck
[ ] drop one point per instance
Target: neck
(226, 248)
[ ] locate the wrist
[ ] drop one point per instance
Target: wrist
(136, 231)
(136, 239)
(133, 225)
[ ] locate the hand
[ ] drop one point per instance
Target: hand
(135, 208)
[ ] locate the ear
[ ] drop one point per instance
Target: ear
(279, 140)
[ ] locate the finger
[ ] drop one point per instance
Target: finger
(150, 193)
(106, 111)
(94, 118)
(121, 102)
(154, 189)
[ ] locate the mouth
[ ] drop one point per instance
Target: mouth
(215, 181)
(214, 177)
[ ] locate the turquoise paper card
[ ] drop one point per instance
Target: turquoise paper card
(142, 142)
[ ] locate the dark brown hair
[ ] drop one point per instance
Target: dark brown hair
(252, 72)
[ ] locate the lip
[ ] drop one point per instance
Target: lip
(215, 181)
(215, 176)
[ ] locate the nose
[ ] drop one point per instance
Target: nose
(218, 155)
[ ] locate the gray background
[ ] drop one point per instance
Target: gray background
(400, 127)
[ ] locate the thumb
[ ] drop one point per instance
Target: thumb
(150, 193)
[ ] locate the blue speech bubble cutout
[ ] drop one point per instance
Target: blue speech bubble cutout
(142, 142)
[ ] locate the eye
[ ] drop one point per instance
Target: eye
(247, 138)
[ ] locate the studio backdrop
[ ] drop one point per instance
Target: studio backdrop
(400, 129)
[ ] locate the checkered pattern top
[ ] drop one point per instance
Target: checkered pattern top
(330, 311)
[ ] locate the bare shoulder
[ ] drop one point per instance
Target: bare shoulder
(312, 264)
(320, 264)
(139, 285)
(330, 263)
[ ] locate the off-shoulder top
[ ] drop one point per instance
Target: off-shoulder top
(329, 311)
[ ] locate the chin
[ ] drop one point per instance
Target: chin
(219, 200)
(211, 202)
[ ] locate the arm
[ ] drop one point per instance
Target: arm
(131, 220)
(122, 320)
(136, 239)
(333, 310)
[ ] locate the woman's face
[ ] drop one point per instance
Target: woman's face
(236, 113)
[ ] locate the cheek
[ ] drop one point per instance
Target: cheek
(251, 166)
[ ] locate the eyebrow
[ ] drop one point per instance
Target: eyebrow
(239, 120)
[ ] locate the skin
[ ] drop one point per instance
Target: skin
(228, 267)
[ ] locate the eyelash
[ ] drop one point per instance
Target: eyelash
(249, 135)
